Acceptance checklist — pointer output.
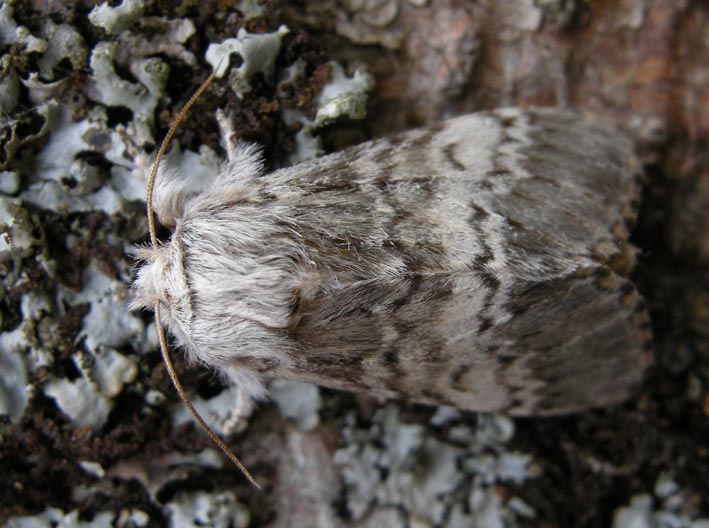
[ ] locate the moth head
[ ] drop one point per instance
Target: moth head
(162, 282)
(161, 279)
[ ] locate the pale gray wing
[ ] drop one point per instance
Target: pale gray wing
(567, 344)
(527, 193)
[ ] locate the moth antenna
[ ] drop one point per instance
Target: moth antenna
(161, 331)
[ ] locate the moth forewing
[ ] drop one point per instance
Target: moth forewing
(472, 263)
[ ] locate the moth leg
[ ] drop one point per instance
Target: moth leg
(242, 409)
(143, 163)
(226, 130)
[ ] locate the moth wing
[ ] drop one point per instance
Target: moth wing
(565, 345)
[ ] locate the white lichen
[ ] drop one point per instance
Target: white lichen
(307, 144)
(117, 19)
(436, 477)
(109, 323)
(257, 53)
(638, 514)
(50, 195)
(108, 369)
(56, 518)
(250, 8)
(494, 429)
(65, 182)
(107, 87)
(132, 518)
(214, 510)
(58, 160)
(299, 402)
(516, 468)
(41, 92)
(644, 511)
(221, 412)
(104, 371)
(9, 85)
(80, 400)
(17, 236)
(35, 306)
(11, 33)
(152, 73)
(486, 509)
(18, 129)
(665, 487)
(9, 182)
(160, 36)
(445, 414)
(13, 382)
(397, 464)
(93, 468)
(155, 398)
(66, 44)
(343, 96)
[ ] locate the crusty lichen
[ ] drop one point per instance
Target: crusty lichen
(9, 85)
(12, 33)
(217, 510)
(117, 19)
(257, 52)
(343, 96)
(66, 44)
(422, 473)
(13, 383)
(52, 517)
(108, 88)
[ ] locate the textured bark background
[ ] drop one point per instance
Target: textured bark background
(363, 462)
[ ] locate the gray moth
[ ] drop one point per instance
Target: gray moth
(480, 263)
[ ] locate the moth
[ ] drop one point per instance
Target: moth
(480, 263)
